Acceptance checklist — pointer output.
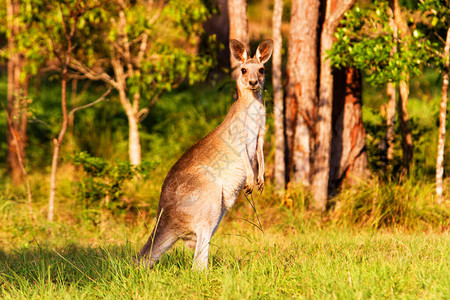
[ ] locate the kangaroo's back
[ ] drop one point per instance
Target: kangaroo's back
(204, 183)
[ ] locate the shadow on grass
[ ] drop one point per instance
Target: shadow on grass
(80, 266)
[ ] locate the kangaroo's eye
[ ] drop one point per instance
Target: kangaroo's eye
(261, 71)
(243, 70)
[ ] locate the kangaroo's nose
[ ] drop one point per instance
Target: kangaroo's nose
(253, 83)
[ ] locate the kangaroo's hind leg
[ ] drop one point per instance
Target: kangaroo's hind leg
(161, 239)
(202, 249)
(209, 212)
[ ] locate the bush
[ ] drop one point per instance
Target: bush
(101, 184)
(380, 204)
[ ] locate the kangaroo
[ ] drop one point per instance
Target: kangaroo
(204, 183)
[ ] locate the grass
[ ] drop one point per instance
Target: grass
(317, 263)
(298, 254)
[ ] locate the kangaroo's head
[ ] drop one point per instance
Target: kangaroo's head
(251, 76)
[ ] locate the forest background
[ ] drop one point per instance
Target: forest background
(100, 98)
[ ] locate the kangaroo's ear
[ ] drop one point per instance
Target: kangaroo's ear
(238, 51)
(264, 51)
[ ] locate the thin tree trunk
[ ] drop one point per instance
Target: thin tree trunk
(22, 166)
(58, 141)
(134, 143)
(390, 121)
(391, 92)
(401, 30)
(237, 15)
(131, 109)
(134, 146)
(17, 102)
(348, 145)
(278, 107)
(334, 12)
(302, 86)
(442, 122)
(68, 33)
(407, 144)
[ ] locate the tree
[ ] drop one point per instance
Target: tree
(237, 14)
(278, 103)
(134, 60)
(335, 10)
(348, 159)
(17, 92)
(301, 88)
(149, 49)
(370, 40)
(70, 14)
(401, 29)
(434, 34)
(391, 92)
(442, 120)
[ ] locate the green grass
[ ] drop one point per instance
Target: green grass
(315, 263)
(87, 253)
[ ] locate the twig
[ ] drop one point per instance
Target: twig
(74, 110)
(91, 74)
(252, 204)
(22, 167)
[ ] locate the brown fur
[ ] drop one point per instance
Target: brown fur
(204, 183)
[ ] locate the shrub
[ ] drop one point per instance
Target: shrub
(101, 184)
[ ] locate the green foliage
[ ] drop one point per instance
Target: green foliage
(183, 117)
(432, 31)
(365, 41)
(101, 183)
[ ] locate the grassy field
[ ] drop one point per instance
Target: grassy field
(297, 255)
(319, 263)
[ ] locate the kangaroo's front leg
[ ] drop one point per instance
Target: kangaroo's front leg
(249, 174)
(260, 159)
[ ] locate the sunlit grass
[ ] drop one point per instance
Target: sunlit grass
(88, 254)
(320, 263)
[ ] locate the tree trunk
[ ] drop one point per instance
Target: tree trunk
(348, 145)
(442, 121)
(401, 30)
(391, 92)
(219, 25)
(134, 143)
(390, 121)
(302, 87)
(17, 93)
(68, 33)
(237, 15)
(278, 106)
(334, 12)
(407, 144)
(58, 141)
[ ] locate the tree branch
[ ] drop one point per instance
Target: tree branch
(74, 110)
(91, 74)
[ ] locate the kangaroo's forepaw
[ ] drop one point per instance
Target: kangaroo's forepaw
(248, 189)
(249, 184)
(260, 184)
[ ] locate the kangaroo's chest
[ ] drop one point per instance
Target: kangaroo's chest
(255, 120)
(242, 133)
